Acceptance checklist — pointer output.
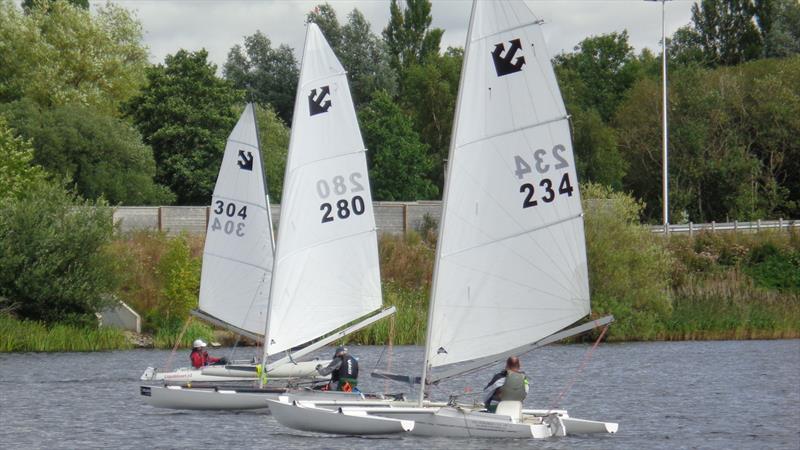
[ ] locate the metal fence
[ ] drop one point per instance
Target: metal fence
(390, 217)
(735, 226)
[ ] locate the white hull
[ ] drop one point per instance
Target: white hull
(186, 375)
(221, 399)
(434, 421)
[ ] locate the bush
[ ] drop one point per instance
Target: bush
(629, 269)
(53, 261)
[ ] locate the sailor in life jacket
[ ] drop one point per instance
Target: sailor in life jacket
(343, 370)
(200, 357)
(510, 384)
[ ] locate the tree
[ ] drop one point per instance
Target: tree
(597, 156)
(60, 54)
(779, 22)
(398, 161)
(100, 155)
(18, 172)
(605, 66)
(727, 31)
(185, 114)
(361, 53)
(53, 263)
(274, 141)
(408, 36)
(429, 95)
(269, 75)
(27, 5)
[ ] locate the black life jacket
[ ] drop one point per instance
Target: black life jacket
(348, 369)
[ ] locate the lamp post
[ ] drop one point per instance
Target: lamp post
(664, 163)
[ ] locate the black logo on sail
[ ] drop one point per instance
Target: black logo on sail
(503, 64)
(245, 161)
(317, 103)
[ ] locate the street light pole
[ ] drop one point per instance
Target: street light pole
(665, 138)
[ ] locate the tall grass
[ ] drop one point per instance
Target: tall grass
(29, 336)
(407, 326)
(167, 336)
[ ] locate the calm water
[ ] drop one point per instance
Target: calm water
(665, 395)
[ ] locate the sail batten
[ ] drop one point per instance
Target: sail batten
(511, 251)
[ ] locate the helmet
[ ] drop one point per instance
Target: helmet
(198, 343)
(341, 350)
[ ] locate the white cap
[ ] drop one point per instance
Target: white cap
(198, 343)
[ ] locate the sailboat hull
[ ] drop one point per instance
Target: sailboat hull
(430, 421)
(228, 399)
(230, 373)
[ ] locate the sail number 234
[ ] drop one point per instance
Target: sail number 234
(344, 207)
(542, 162)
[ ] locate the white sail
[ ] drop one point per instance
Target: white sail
(238, 253)
(327, 258)
(511, 263)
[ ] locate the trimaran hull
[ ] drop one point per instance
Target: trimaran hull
(230, 373)
(431, 421)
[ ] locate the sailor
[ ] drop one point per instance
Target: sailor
(510, 384)
(200, 357)
(343, 370)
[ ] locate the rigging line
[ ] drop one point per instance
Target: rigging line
(308, 84)
(338, 155)
(256, 205)
(582, 366)
(246, 144)
(326, 242)
(177, 343)
(256, 266)
(516, 27)
(513, 130)
(564, 276)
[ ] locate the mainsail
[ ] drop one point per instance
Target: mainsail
(238, 253)
(326, 263)
(511, 263)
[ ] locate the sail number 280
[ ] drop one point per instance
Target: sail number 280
(344, 207)
(543, 161)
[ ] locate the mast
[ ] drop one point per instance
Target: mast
(432, 305)
(264, 176)
(275, 247)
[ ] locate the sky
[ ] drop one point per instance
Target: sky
(217, 25)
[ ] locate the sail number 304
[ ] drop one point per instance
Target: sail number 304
(345, 207)
(226, 217)
(542, 162)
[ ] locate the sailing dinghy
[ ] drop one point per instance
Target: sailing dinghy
(510, 269)
(326, 270)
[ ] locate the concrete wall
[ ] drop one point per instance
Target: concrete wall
(121, 316)
(390, 217)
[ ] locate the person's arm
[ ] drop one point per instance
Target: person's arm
(211, 360)
(334, 365)
(489, 391)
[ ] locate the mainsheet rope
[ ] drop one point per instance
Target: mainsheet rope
(586, 357)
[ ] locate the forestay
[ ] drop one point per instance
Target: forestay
(327, 258)
(511, 263)
(238, 253)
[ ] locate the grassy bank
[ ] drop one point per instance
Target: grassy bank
(28, 336)
(707, 286)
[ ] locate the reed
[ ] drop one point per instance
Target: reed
(29, 336)
(166, 336)
(409, 321)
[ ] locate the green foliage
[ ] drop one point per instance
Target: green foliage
(274, 142)
(429, 95)
(53, 263)
(33, 336)
(406, 327)
(597, 155)
(779, 21)
(409, 37)
(727, 31)
(179, 276)
(27, 5)
(398, 160)
(774, 268)
(732, 148)
(185, 114)
(100, 155)
(18, 172)
(167, 335)
(60, 54)
(629, 269)
(269, 75)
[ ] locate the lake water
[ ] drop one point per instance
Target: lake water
(716, 395)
